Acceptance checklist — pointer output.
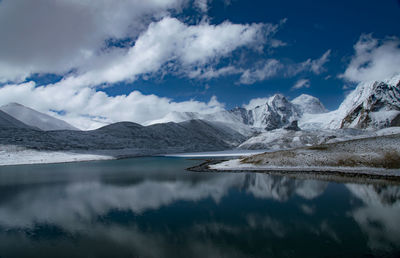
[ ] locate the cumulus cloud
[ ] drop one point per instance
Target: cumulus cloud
(210, 72)
(302, 83)
(268, 69)
(374, 59)
(273, 67)
(253, 103)
(316, 66)
(172, 45)
(46, 36)
(62, 36)
(87, 108)
(202, 5)
(70, 38)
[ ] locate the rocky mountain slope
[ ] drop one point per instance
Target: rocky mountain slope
(371, 105)
(368, 156)
(272, 125)
(35, 119)
(277, 112)
(194, 135)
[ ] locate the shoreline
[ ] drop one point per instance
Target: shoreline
(22, 157)
(335, 174)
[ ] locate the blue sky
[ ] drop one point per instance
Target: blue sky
(115, 59)
(312, 28)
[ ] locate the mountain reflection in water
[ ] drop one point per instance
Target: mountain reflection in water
(152, 207)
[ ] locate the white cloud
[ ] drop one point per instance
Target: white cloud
(202, 5)
(171, 44)
(302, 83)
(166, 44)
(62, 36)
(210, 72)
(272, 67)
(374, 59)
(269, 69)
(46, 36)
(87, 108)
(317, 66)
(253, 103)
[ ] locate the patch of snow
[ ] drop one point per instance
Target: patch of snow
(280, 139)
(17, 156)
(236, 165)
(367, 154)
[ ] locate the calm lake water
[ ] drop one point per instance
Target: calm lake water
(152, 207)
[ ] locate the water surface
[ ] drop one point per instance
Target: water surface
(152, 207)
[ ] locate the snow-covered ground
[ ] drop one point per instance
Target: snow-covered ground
(281, 139)
(12, 155)
(379, 155)
(237, 165)
(260, 127)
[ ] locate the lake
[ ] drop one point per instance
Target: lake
(153, 207)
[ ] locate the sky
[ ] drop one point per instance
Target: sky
(91, 63)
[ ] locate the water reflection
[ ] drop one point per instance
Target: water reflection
(379, 217)
(163, 211)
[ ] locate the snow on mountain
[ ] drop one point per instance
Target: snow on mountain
(126, 138)
(223, 118)
(372, 105)
(281, 139)
(309, 105)
(175, 117)
(35, 119)
(7, 121)
(277, 112)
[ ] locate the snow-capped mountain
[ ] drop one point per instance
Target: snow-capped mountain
(35, 119)
(218, 119)
(309, 105)
(126, 138)
(272, 125)
(372, 105)
(7, 121)
(277, 112)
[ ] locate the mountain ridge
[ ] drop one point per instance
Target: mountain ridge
(35, 118)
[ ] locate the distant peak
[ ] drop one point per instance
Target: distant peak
(278, 99)
(13, 104)
(278, 96)
(304, 96)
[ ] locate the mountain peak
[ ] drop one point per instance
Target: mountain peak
(277, 99)
(372, 105)
(34, 118)
(308, 104)
(7, 121)
(14, 104)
